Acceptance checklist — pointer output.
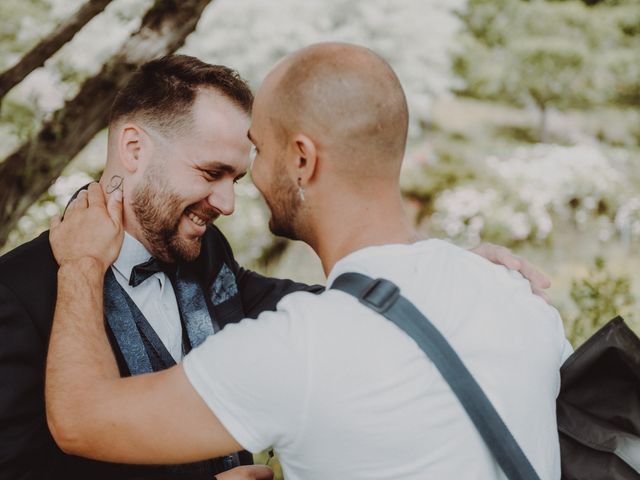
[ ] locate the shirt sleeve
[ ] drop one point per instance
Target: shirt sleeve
(567, 350)
(253, 376)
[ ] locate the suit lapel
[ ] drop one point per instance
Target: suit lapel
(199, 322)
(140, 346)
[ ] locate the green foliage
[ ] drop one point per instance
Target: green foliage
(623, 68)
(425, 182)
(519, 133)
(19, 118)
(551, 54)
(21, 26)
(599, 296)
(267, 457)
(549, 72)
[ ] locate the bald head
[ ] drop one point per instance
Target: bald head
(348, 99)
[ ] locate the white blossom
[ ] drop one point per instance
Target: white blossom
(540, 186)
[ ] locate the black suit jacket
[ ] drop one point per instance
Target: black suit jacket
(28, 280)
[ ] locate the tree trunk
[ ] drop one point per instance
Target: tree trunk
(50, 45)
(29, 171)
(543, 123)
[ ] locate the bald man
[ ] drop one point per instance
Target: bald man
(336, 389)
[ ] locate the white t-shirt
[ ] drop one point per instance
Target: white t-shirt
(342, 393)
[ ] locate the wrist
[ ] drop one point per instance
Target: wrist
(87, 266)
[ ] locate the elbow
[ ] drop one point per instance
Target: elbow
(64, 435)
(65, 430)
(77, 421)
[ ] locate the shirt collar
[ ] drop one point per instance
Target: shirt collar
(132, 253)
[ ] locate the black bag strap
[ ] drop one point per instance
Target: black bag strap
(384, 297)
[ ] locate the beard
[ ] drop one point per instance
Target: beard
(285, 205)
(159, 211)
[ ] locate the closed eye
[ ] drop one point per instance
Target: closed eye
(214, 174)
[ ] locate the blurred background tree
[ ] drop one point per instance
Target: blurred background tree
(599, 296)
(550, 54)
(525, 127)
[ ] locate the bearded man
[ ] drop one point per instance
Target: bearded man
(177, 144)
(355, 397)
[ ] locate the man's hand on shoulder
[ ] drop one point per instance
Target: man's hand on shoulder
(503, 256)
(92, 227)
(247, 472)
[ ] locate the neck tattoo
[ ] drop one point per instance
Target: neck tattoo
(115, 183)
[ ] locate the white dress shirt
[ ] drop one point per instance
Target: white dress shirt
(154, 297)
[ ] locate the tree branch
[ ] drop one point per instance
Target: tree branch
(51, 44)
(30, 170)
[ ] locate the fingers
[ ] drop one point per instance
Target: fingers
(542, 294)
(537, 279)
(260, 472)
(247, 472)
(77, 203)
(113, 203)
(114, 207)
(95, 196)
(82, 200)
(508, 259)
(498, 254)
(55, 221)
(503, 256)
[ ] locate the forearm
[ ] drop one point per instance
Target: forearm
(80, 362)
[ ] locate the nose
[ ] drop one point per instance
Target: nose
(222, 197)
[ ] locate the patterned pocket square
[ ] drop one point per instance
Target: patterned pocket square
(224, 287)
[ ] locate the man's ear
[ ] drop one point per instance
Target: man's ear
(306, 162)
(132, 143)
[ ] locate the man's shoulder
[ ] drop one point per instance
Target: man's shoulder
(30, 268)
(324, 307)
(31, 257)
(450, 263)
(296, 308)
(411, 265)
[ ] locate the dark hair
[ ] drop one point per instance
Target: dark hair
(163, 91)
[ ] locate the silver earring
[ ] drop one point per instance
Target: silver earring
(300, 191)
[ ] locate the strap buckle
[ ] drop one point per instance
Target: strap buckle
(379, 295)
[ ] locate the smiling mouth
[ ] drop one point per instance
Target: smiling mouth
(196, 219)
